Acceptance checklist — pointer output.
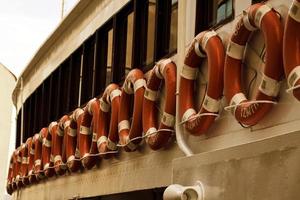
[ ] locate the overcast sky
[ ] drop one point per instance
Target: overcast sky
(24, 26)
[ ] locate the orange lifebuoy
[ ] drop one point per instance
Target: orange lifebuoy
(291, 49)
(19, 177)
(20, 154)
(59, 158)
(88, 134)
(206, 44)
(47, 158)
(16, 168)
(9, 187)
(134, 84)
(25, 161)
(14, 174)
(261, 17)
(108, 119)
(31, 152)
(164, 70)
(71, 140)
(38, 143)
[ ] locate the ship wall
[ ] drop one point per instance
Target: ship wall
(233, 161)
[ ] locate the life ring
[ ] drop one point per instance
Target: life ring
(14, 172)
(47, 158)
(58, 144)
(16, 168)
(31, 152)
(71, 140)
(25, 162)
(9, 188)
(108, 119)
(22, 168)
(291, 51)
(206, 44)
(261, 17)
(88, 134)
(38, 143)
(164, 70)
(19, 164)
(134, 84)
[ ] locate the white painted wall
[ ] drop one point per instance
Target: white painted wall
(7, 124)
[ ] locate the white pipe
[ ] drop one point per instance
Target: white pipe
(181, 54)
(179, 135)
(22, 113)
(80, 80)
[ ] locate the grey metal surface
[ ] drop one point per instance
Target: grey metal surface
(263, 170)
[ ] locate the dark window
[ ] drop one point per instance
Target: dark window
(39, 111)
(212, 13)
(139, 43)
(54, 95)
(121, 26)
(33, 114)
(65, 72)
(87, 70)
(161, 30)
(18, 131)
(26, 120)
(257, 1)
(103, 58)
(75, 64)
(46, 94)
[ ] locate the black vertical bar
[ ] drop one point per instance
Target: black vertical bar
(75, 78)
(140, 26)
(119, 48)
(64, 88)
(30, 118)
(35, 112)
(40, 108)
(94, 64)
(68, 89)
(204, 15)
(100, 61)
(87, 70)
(18, 129)
(47, 95)
(162, 31)
(55, 96)
(58, 97)
(27, 120)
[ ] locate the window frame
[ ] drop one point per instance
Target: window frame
(202, 20)
(65, 88)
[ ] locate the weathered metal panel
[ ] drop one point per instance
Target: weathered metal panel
(128, 172)
(264, 170)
